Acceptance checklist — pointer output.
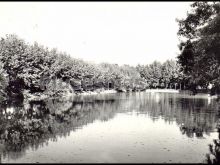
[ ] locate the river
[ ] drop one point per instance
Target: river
(109, 128)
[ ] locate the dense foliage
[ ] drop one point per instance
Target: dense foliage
(3, 83)
(200, 46)
(37, 69)
(165, 75)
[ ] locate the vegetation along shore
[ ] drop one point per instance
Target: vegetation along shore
(34, 70)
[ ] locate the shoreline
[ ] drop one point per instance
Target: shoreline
(97, 92)
(163, 90)
(41, 96)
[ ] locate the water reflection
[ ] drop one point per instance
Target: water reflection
(32, 124)
(194, 116)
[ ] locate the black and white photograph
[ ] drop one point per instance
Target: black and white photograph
(110, 82)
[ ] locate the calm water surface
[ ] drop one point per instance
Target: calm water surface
(109, 128)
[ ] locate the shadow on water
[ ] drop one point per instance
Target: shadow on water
(32, 124)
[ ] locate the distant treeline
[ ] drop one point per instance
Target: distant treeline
(38, 69)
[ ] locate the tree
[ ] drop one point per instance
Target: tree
(12, 54)
(200, 15)
(199, 56)
(3, 83)
(171, 73)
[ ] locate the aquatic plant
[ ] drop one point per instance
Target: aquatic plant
(214, 156)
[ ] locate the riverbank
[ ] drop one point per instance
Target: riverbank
(162, 90)
(187, 93)
(42, 96)
(98, 92)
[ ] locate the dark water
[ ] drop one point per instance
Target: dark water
(109, 128)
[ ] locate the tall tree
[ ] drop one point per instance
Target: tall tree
(199, 56)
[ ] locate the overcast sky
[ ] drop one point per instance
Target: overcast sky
(114, 32)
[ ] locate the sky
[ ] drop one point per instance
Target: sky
(114, 32)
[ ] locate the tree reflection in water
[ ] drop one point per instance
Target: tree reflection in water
(193, 116)
(32, 124)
